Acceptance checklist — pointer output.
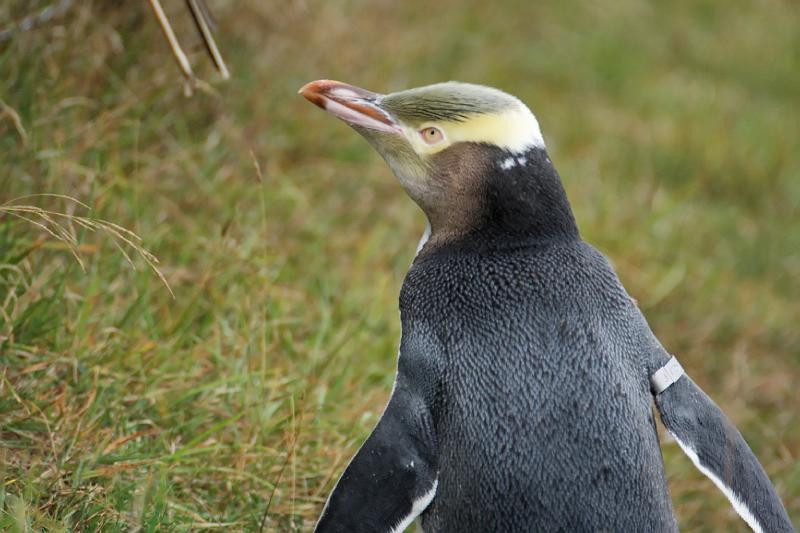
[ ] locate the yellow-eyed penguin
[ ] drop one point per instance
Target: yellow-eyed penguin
(526, 373)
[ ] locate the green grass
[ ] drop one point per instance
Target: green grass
(674, 126)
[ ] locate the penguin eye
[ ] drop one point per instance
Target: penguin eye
(431, 135)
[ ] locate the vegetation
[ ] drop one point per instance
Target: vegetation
(236, 404)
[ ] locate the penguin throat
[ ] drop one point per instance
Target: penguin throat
(509, 199)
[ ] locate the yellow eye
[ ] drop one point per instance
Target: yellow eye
(431, 135)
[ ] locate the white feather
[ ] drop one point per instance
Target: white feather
(419, 505)
(738, 505)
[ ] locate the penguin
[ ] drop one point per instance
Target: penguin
(526, 374)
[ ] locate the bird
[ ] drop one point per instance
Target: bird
(526, 376)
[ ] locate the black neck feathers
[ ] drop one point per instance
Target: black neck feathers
(496, 199)
(523, 198)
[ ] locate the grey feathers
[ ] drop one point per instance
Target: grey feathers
(450, 101)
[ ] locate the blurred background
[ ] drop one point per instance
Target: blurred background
(236, 404)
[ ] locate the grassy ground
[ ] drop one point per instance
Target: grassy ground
(236, 404)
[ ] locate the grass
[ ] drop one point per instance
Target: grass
(236, 404)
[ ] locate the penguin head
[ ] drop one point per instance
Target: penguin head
(468, 155)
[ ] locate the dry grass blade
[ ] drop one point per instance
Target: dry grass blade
(56, 225)
(8, 111)
(48, 195)
(57, 232)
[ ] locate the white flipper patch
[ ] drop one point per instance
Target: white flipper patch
(417, 507)
(738, 505)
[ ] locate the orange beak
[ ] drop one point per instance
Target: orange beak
(354, 105)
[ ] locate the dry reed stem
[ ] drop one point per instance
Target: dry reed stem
(200, 19)
(177, 51)
(32, 21)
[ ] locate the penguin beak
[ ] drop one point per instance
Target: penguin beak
(354, 105)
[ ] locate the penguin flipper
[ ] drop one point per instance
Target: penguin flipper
(392, 478)
(720, 452)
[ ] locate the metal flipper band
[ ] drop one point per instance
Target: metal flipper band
(665, 376)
